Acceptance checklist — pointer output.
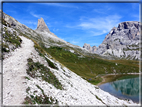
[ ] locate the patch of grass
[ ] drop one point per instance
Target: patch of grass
(99, 99)
(37, 70)
(95, 80)
(133, 63)
(39, 99)
(40, 89)
(27, 78)
(51, 64)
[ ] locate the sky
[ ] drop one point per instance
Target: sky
(77, 23)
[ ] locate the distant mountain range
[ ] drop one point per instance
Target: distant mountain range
(122, 42)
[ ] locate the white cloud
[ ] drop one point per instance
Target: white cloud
(103, 10)
(74, 42)
(38, 15)
(35, 15)
(100, 25)
(31, 22)
(55, 30)
(60, 5)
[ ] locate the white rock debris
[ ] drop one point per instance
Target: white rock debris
(77, 91)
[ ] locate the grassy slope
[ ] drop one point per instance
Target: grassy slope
(90, 67)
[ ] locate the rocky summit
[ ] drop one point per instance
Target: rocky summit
(43, 29)
(42, 26)
(122, 41)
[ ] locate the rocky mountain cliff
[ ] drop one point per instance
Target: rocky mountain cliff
(123, 41)
(41, 26)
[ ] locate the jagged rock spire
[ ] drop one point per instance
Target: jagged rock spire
(41, 26)
(89, 48)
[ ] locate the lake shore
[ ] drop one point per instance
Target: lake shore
(108, 77)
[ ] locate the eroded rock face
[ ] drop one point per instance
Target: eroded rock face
(122, 41)
(94, 48)
(42, 26)
(89, 48)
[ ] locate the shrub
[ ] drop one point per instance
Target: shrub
(51, 64)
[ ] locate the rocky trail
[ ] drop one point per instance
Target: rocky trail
(14, 71)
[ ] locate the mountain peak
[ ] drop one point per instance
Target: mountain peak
(41, 26)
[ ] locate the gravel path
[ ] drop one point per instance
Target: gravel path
(14, 69)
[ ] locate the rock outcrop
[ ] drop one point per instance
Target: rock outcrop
(42, 26)
(122, 42)
(89, 48)
(94, 48)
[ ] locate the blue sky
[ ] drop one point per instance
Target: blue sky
(77, 23)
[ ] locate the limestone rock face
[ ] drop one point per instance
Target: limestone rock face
(42, 26)
(122, 41)
(43, 29)
(94, 48)
(89, 48)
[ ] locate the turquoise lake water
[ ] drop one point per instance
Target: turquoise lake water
(124, 89)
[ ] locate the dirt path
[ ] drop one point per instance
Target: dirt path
(101, 81)
(14, 70)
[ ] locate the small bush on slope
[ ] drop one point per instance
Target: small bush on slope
(37, 70)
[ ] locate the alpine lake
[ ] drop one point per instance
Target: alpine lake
(122, 86)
